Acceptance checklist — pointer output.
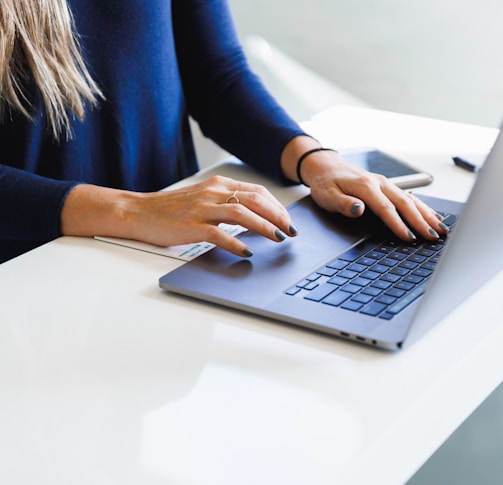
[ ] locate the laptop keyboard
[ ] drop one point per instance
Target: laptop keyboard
(377, 278)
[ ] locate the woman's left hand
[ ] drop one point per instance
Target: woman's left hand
(340, 187)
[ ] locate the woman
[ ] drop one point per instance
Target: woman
(95, 104)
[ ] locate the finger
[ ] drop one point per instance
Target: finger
(229, 186)
(346, 204)
(262, 203)
(242, 215)
(420, 219)
(433, 218)
(333, 199)
(388, 213)
(260, 190)
(219, 237)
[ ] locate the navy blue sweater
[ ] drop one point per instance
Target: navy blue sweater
(157, 61)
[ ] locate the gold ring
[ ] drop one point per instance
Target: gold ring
(233, 198)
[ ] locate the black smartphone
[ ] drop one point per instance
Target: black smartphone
(402, 173)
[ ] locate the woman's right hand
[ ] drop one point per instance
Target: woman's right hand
(179, 216)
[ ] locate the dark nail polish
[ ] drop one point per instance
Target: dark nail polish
(433, 233)
(248, 252)
(280, 235)
(439, 216)
(443, 226)
(293, 229)
(412, 235)
(355, 208)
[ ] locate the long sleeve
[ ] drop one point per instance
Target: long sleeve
(30, 205)
(156, 62)
(223, 95)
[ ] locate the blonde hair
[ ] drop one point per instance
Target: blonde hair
(38, 44)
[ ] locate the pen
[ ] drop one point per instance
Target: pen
(461, 162)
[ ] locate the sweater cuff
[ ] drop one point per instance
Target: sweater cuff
(30, 205)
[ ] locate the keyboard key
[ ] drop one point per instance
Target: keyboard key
(422, 272)
(397, 255)
(417, 258)
(379, 268)
(406, 249)
(375, 255)
(351, 305)
(370, 275)
(349, 288)
(426, 252)
(413, 279)
(434, 246)
(408, 298)
(337, 264)
(366, 261)
(386, 316)
(362, 298)
(370, 290)
(387, 300)
(303, 283)
(391, 278)
(321, 292)
(410, 265)
(359, 281)
(399, 271)
(373, 308)
(326, 271)
(337, 280)
(383, 248)
(346, 273)
(395, 292)
(429, 265)
(383, 285)
(404, 285)
(357, 267)
(336, 298)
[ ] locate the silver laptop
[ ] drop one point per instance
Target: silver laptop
(350, 277)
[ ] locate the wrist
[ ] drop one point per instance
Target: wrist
(90, 210)
(291, 153)
(304, 156)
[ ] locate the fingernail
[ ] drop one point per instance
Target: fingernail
(355, 208)
(248, 252)
(439, 216)
(293, 229)
(433, 233)
(443, 226)
(280, 235)
(412, 235)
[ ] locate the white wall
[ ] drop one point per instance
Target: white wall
(439, 58)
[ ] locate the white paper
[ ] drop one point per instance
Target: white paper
(185, 252)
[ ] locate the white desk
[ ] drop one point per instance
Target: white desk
(106, 379)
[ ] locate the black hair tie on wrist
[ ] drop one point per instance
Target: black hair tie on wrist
(305, 155)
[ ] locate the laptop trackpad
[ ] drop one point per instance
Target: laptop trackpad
(322, 237)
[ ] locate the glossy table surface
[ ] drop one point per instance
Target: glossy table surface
(106, 379)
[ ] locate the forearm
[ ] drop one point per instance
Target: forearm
(179, 216)
(90, 210)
